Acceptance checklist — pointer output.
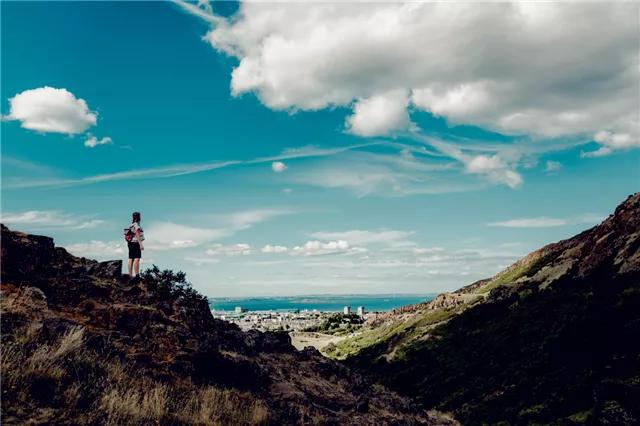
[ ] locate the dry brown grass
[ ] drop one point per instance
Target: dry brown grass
(84, 387)
(148, 403)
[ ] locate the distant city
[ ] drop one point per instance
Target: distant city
(324, 303)
(308, 312)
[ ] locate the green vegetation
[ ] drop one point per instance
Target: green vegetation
(525, 269)
(338, 324)
(402, 332)
(170, 285)
(581, 417)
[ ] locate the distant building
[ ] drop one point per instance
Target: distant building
(361, 311)
(240, 309)
(346, 310)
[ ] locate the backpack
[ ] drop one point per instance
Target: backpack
(128, 234)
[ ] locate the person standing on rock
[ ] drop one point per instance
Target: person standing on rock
(134, 235)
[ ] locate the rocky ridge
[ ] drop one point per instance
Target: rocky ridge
(161, 331)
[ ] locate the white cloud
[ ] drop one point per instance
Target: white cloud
(97, 249)
(47, 109)
(548, 222)
(181, 169)
(92, 141)
(278, 166)
(38, 219)
(427, 250)
(616, 140)
(274, 249)
(495, 168)
(200, 261)
(169, 235)
(366, 173)
(552, 166)
(471, 63)
(380, 115)
(365, 237)
(499, 167)
(610, 142)
(230, 250)
(316, 248)
(600, 152)
(248, 218)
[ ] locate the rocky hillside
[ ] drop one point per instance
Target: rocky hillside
(555, 338)
(83, 345)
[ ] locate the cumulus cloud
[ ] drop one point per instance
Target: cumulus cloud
(495, 168)
(379, 115)
(39, 219)
(47, 109)
(274, 249)
(548, 222)
(92, 141)
(278, 166)
(478, 64)
(610, 142)
(230, 250)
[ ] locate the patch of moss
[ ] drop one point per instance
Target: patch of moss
(581, 417)
(525, 269)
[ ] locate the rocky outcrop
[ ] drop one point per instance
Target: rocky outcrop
(165, 332)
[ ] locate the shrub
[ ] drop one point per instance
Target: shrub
(169, 285)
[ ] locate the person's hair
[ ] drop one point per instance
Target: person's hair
(135, 217)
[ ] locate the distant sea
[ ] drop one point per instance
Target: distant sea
(327, 303)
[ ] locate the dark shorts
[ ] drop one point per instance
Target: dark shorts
(134, 250)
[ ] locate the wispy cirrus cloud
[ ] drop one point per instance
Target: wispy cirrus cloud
(397, 173)
(177, 169)
(240, 249)
(48, 219)
(213, 227)
(549, 222)
(365, 237)
(97, 249)
(170, 235)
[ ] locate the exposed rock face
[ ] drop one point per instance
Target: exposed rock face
(172, 338)
(555, 338)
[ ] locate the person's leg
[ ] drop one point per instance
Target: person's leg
(136, 266)
(130, 267)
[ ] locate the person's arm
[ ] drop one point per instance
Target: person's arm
(139, 238)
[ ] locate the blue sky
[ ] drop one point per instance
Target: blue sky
(284, 153)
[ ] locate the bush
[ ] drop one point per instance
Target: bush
(169, 285)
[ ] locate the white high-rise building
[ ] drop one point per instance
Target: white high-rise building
(361, 311)
(346, 310)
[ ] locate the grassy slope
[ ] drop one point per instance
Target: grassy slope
(401, 332)
(550, 340)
